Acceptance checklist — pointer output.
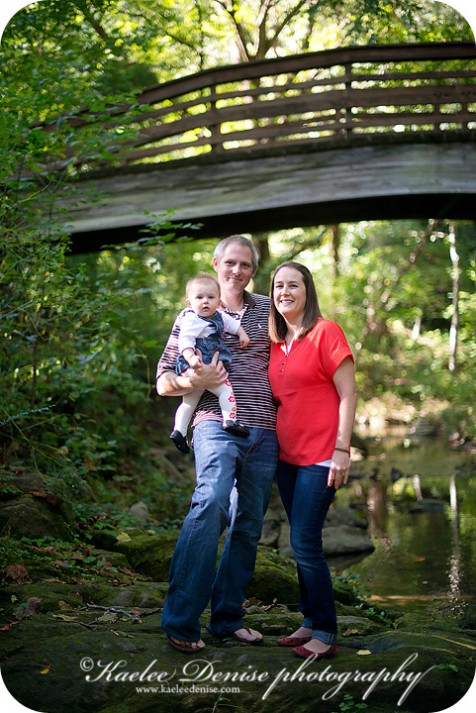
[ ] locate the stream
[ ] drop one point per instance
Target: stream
(421, 510)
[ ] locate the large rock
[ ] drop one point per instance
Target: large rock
(33, 517)
(35, 506)
(345, 539)
(427, 505)
(274, 579)
(344, 533)
(140, 513)
(344, 516)
(273, 522)
(150, 554)
(56, 664)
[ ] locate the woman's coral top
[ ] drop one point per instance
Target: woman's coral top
(306, 397)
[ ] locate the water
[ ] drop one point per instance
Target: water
(420, 557)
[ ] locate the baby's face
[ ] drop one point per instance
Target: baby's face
(204, 298)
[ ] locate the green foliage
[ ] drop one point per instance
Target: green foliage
(80, 335)
(291, 26)
(66, 354)
(47, 555)
(381, 22)
(349, 705)
(447, 667)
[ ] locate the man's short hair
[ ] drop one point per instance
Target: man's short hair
(240, 240)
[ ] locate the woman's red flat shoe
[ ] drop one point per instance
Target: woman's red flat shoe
(293, 641)
(307, 654)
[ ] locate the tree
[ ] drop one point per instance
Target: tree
(62, 57)
(265, 28)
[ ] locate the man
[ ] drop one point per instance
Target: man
(222, 461)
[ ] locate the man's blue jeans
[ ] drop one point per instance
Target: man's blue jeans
(221, 461)
(306, 499)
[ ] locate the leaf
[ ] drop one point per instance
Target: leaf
(7, 627)
(123, 537)
(65, 617)
(122, 634)
(267, 607)
(108, 616)
(50, 498)
(129, 572)
(350, 632)
(17, 572)
(44, 671)
(33, 604)
(363, 652)
(28, 608)
(64, 606)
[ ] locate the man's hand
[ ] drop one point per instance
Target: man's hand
(209, 376)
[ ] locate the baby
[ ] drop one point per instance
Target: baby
(202, 328)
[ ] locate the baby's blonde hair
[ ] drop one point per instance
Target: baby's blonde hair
(201, 277)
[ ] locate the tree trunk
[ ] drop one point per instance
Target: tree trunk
(335, 248)
(455, 272)
(261, 280)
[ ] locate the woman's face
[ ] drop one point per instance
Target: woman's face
(289, 294)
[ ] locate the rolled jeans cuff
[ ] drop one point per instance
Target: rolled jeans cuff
(326, 637)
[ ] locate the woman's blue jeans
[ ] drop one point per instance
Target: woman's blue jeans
(306, 499)
(222, 461)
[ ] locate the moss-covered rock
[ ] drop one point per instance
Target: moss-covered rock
(83, 663)
(45, 490)
(34, 517)
(274, 579)
(149, 554)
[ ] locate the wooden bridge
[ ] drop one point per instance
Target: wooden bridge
(336, 136)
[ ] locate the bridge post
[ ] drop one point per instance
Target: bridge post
(216, 139)
(347, 110)
(437, 123)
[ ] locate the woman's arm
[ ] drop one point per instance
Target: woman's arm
(344, 380)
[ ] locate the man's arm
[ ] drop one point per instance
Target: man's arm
(208, 376)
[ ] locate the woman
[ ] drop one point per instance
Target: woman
(311, 372)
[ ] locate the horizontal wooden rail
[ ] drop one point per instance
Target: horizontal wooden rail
(316, 97)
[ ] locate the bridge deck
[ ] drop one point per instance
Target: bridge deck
(389, 181)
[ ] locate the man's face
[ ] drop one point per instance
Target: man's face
(235, 268)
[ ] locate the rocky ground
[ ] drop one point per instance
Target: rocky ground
(64, 653)
(80, 627)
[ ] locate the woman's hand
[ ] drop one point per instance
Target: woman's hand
(339, 470)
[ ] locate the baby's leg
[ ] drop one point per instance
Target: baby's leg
(185, 411)
(226, 398)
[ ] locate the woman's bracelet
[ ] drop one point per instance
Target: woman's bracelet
(343, 450)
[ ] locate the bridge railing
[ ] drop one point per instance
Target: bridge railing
(314, 98)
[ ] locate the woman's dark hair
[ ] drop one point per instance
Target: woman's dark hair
(277, 325)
